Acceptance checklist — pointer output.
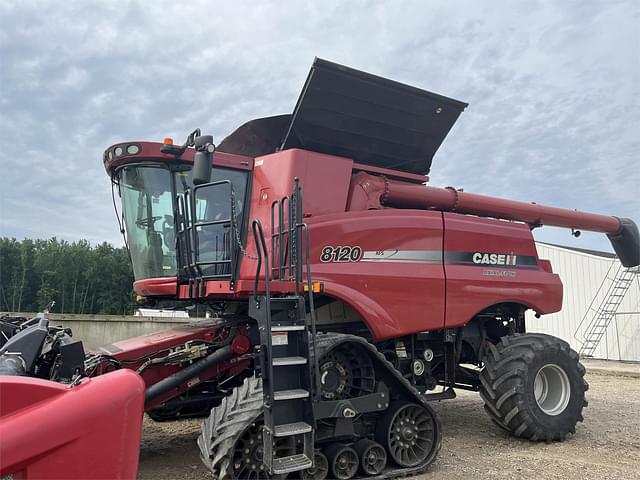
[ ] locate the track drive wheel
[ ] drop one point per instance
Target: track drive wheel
(231, 442)
(533, 386)
(409, 433)
(346, 372)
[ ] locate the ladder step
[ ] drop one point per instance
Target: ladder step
(285, 361)
(284, 303)
(293, 463)
(289, 429)
(287, 328)
(290, 394)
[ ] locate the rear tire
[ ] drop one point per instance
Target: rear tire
(533, 386)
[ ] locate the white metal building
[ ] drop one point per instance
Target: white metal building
(587, 277)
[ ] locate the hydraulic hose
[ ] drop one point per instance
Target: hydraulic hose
(173, 381)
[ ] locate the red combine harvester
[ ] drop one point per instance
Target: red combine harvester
(345, 296)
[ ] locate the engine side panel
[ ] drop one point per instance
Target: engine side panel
(491, 261)
(386, 264)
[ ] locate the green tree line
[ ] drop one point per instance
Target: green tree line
(79, 277)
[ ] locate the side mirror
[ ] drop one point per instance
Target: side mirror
(202, 161)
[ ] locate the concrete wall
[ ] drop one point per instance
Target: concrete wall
(97, 330)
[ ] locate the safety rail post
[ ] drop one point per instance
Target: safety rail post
(312, 313)
(263, 254)
(296, 224)
(275, 205)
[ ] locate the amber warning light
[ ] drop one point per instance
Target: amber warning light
(168, 141)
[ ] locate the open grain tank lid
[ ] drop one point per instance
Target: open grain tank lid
(353, 114)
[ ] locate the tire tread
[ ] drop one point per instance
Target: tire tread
(506, 364)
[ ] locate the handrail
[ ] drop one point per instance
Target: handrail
(195, 223)
(261, 249)
(312, 310)
(286, 214)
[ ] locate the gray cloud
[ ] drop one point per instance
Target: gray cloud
(553, 91)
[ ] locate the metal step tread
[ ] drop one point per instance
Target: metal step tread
(288, 429)
(290, 394)
(287, 328)
(285, 361)
(293, 463)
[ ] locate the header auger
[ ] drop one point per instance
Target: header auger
(345, 294)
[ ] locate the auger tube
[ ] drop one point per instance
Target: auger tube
(622, 232)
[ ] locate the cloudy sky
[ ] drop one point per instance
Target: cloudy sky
(553, 88)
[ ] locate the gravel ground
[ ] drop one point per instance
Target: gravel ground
(606, 445)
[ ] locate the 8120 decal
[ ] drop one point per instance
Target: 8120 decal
(340, 254)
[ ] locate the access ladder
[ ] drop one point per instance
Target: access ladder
(601, 317)
(287, 342)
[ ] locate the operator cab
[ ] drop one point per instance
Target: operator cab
(148, 196)
(152, 187)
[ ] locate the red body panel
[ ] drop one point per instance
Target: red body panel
(161, 287)
(39, 441)
(401, 255)
(473, 287)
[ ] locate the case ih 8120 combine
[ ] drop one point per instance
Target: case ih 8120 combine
(345, 296)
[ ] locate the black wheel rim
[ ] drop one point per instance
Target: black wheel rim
(345, 464)
(248, 454)
(320, 468)
(411, 435)
(373, 460)
(346, 372)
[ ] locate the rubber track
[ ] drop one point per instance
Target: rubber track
(220, 431)
(502, 388)
(244, 407)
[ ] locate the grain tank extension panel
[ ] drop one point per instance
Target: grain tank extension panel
(353, 114)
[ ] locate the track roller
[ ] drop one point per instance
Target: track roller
(320, 468)
(343, 461)
(407, 432)
(373, 457)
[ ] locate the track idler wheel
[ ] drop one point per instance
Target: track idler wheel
(343, 461)
(408, 432)
(320, 468)
(373, 457)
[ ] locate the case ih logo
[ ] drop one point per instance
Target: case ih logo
(482, 259)
(494, 259)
